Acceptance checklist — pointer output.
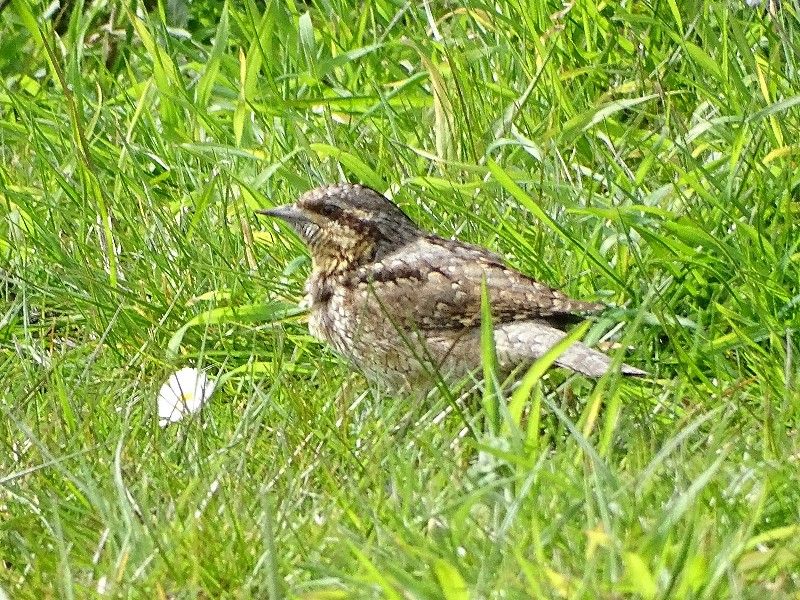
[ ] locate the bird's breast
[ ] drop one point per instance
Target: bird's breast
(331, 312)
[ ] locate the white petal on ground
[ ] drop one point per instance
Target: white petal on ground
(183, 394)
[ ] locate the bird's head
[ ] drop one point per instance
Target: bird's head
(346, 225)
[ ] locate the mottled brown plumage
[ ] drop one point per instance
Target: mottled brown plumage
(402, 304)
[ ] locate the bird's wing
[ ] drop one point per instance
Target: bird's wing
(435, 284)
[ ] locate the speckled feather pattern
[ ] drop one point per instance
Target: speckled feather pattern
(401, 303)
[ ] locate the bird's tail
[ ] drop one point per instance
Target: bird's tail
(526, 341)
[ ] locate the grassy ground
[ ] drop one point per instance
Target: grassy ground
(642, 154)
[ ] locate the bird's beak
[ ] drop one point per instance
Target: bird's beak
(288, 212)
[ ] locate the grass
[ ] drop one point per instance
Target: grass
(641, 154)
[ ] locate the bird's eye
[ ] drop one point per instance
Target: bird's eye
(330, 210)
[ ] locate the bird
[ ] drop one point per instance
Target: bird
(403, 305)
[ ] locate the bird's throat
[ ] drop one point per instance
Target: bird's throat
(327, 260)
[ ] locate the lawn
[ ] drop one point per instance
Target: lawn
(641, 154)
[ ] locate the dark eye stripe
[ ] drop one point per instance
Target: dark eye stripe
(326, 209)
(331, 211)
(346, 218)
